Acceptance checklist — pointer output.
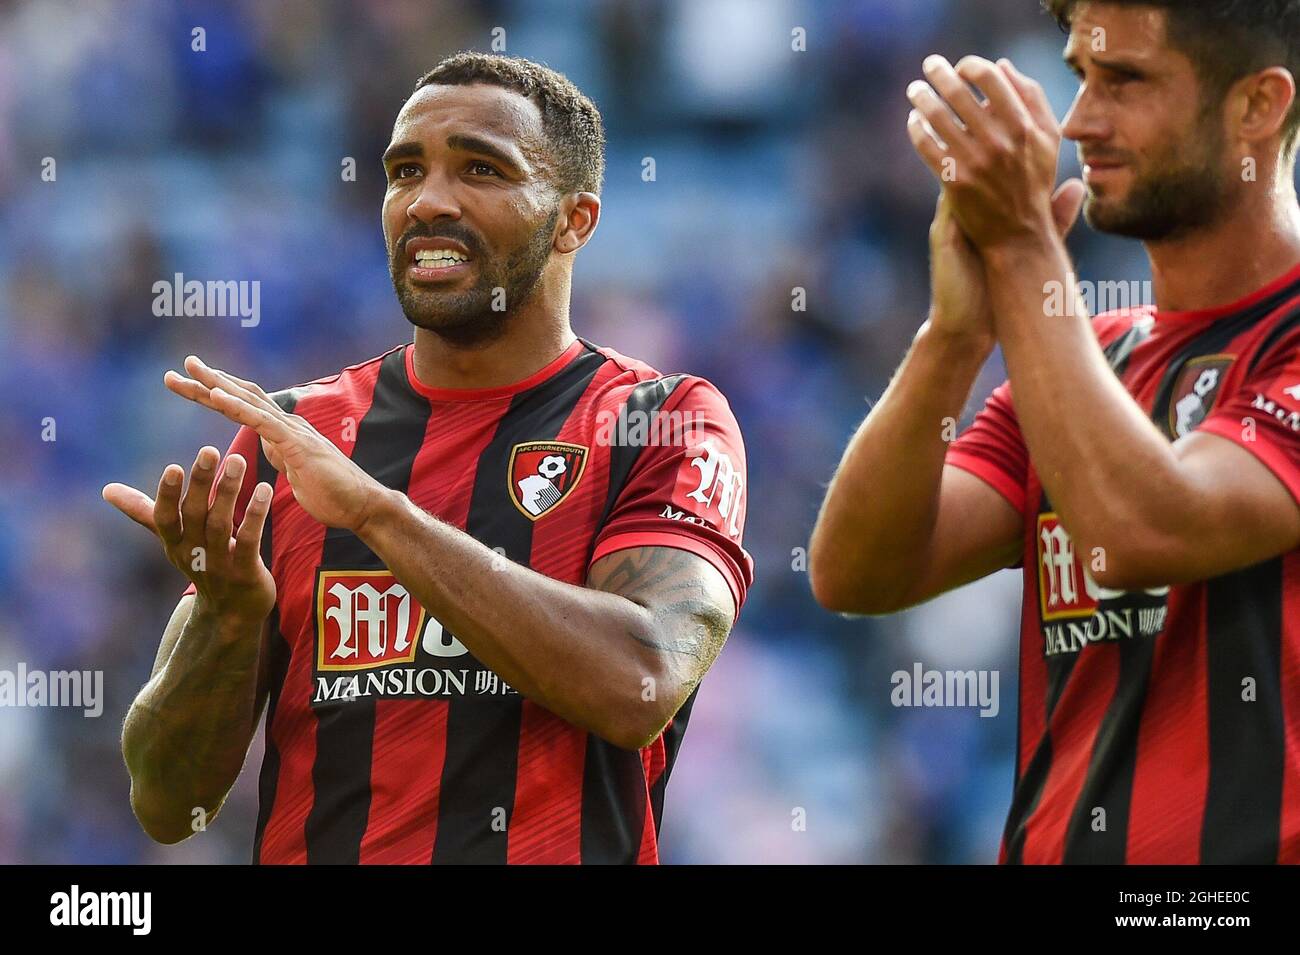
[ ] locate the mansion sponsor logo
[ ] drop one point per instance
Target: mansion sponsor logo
(75, 908)
(673, 514)
(229, 299)
(649, 429)
(1271, 408)
(960, 688)
(721, 485)
(374, 640)
(408, 682)
(83, 689)
(1075, 611)
(1063, 298)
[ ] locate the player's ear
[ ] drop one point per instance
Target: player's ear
(579, 213)
(1265, 99)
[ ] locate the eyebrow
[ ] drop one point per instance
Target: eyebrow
(1130, 66)
(402, 151)
(457, 141)
(473, 144)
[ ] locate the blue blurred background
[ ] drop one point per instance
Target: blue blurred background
(775, 168)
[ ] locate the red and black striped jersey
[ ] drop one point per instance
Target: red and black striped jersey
(387, 741)
(1161, 725)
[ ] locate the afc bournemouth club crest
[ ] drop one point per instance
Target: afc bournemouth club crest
(543, 473)
(1195, 390)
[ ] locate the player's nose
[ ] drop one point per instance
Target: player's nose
(1085, 120)
(433, 200)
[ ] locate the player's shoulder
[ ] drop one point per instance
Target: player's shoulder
(354, 378)
(1109, 326)
(636, 383)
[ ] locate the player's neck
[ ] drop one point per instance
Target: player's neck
(532, 341)
(1256, 242)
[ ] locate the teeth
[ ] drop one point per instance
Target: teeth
(439, 258)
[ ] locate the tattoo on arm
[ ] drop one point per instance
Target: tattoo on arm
(687, 596)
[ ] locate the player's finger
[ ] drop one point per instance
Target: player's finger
(936, 113)
(134, 504)
(194, 505)
(221, 515)
(1066, 203)
(273, 427)
(1003, 100)
(195, 363)
(248, 539)
(1031, 94)
(926, 144)
(956, 94)
(216, 378)
(167, 506)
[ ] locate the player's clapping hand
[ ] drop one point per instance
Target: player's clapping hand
(997, 158)
(325, 481)
(200, 540)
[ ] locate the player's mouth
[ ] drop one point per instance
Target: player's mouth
(1095, 169)
(436, 260)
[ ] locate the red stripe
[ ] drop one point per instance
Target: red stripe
(293, 730)
(1074, 726)
(1289, 841)
(297, 542)
(546, 823)
(410, 741)
(410, 744)
(1173, 746)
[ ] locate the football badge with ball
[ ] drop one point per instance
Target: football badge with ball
(543, 474)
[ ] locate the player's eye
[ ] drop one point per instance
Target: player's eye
(405, 170)
(478, 167)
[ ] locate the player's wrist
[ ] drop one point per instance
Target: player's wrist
(960, 345)
(382, 506)
(234, 614)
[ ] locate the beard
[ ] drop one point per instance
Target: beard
(467, 318)
(1184, 191)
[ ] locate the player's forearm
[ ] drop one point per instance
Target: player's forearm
(187, 733)
(1111, 476)
(878, 518)
(583, 654)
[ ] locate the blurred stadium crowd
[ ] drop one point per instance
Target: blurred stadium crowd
(775, 169)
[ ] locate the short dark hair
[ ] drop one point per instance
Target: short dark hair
(1225, 39)
(570, 120)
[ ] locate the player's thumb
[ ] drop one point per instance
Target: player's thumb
(1066, 204)
(132, 503)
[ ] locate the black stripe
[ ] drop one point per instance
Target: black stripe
(672, 744)
(613, 779)
(1119, 351)
(278, 649)
(388, 438)
(482, 752)
(1247, 739)
(646, 398)
(1284, 327)
(1210, 342)
(1108, 784)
